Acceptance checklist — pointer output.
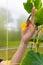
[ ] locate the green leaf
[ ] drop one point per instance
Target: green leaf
(38, 18)
(38, 4)
(28, 6)
(33, 58)
(29, 1)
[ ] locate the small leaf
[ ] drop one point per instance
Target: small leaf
(28, 7)
(38, 4)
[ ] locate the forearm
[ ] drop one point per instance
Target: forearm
(19, 54)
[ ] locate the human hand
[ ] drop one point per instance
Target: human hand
(30, 29)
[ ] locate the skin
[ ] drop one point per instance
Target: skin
(26, 36)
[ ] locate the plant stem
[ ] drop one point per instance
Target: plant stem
(31, 46)
(29, 17)
(37, 43)
(37, 46)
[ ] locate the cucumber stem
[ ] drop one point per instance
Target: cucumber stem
(29, 17)
(37, 43)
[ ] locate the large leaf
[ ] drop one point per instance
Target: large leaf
(39, 17)
(33, 58)
(38, 4)
(28, 6)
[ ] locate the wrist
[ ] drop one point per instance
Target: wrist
(23, 44)
(23, 41)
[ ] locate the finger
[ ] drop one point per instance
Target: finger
(31, 28)
(34, 11)
(30, 23)
(26, 30)
(23, 32)
(27, 26)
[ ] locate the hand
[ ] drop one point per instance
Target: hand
(28, 33)
(30, 29)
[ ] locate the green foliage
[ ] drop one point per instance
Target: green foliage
(38, 4)
(28, 6)
(39, 17)
(33, 58)
(32, 3)
(40, 38)
(14, 36)
(29, 1)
